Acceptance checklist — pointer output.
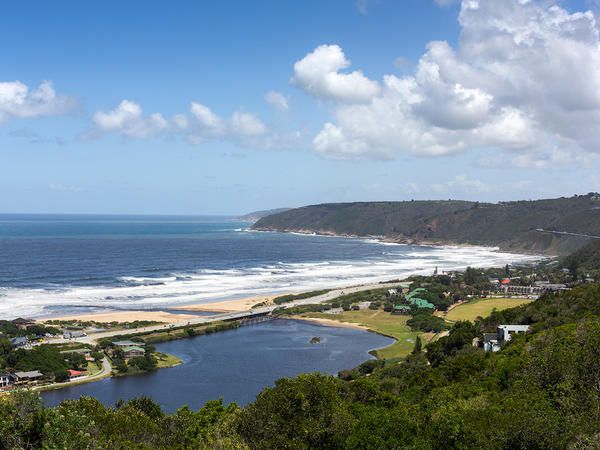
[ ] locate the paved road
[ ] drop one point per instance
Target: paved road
(104, 372)
(331, 295)
(566, 233)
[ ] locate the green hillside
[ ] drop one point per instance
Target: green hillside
(585, 258)
(363, 218)
(555, 226)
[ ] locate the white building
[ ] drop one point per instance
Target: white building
(506, 331)
(492, 342)
(6, 379)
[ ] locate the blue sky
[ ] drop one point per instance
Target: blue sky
(361, 105)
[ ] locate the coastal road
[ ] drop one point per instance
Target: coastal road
(566, 233)
(93, 338)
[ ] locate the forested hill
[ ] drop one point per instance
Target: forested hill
(586, 258)
(554, 226)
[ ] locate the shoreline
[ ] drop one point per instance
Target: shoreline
(225, 306)
(167, 317)
(177, 313)
(124, 316)
(391, 240)
(334, 323)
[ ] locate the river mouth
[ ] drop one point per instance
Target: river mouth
(235, 365)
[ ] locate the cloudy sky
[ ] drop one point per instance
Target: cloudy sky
(226, 107)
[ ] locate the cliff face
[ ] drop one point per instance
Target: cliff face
(553, 226)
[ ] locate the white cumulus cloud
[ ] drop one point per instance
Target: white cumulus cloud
(245, 124)
(199, 125)
(127, 118)
(318, 73)
(18, 101)
(525, 77)
(277, 100)
(206, 118)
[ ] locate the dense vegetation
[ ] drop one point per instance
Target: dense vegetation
(8, 330)
(511, 225)
(291, 297)
(541, 391)
(585, 261)
(364, 218)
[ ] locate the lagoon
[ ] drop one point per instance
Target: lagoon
(235, 365)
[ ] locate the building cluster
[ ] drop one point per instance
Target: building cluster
(508, 286)
(8, 380)
(13, 378)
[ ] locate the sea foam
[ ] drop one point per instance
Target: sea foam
(210, 285)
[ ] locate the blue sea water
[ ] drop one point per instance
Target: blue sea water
(57, 264)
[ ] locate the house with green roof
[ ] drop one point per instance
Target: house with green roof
(413, 299)
(401, 309)
(133, 351)
(421, 303)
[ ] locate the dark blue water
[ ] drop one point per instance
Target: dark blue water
(52, 265)
(235, 365)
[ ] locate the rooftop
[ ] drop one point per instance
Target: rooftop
(30, 374)
(134, 348)
(125, 343)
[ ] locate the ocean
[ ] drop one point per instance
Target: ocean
(54, 265)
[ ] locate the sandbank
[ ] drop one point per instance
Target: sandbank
(332, 322)
(128, 316)
(241, 304)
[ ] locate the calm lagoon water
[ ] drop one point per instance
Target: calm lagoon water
(236, 364)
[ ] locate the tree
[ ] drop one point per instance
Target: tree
(470, 276)
(61, 375)
(302, 412)
(75, 360)
(418, 345)
(97, 357)
(573, 268)
(147, 406)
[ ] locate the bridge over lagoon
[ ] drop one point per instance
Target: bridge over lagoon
(250, 316)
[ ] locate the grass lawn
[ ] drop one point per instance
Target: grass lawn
(482, 308)
(93, 368)
(164, 360)
(384, 323)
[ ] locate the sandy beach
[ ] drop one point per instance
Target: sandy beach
(129, 316)
(332, 322)
(241, 304)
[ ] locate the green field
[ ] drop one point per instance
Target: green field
(482, 308)
(384, 323)
(93, 368)
(164, 360)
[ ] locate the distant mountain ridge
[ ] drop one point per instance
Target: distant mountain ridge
(257, 215)
(552, 226)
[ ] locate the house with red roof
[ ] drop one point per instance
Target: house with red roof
(75, 374)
